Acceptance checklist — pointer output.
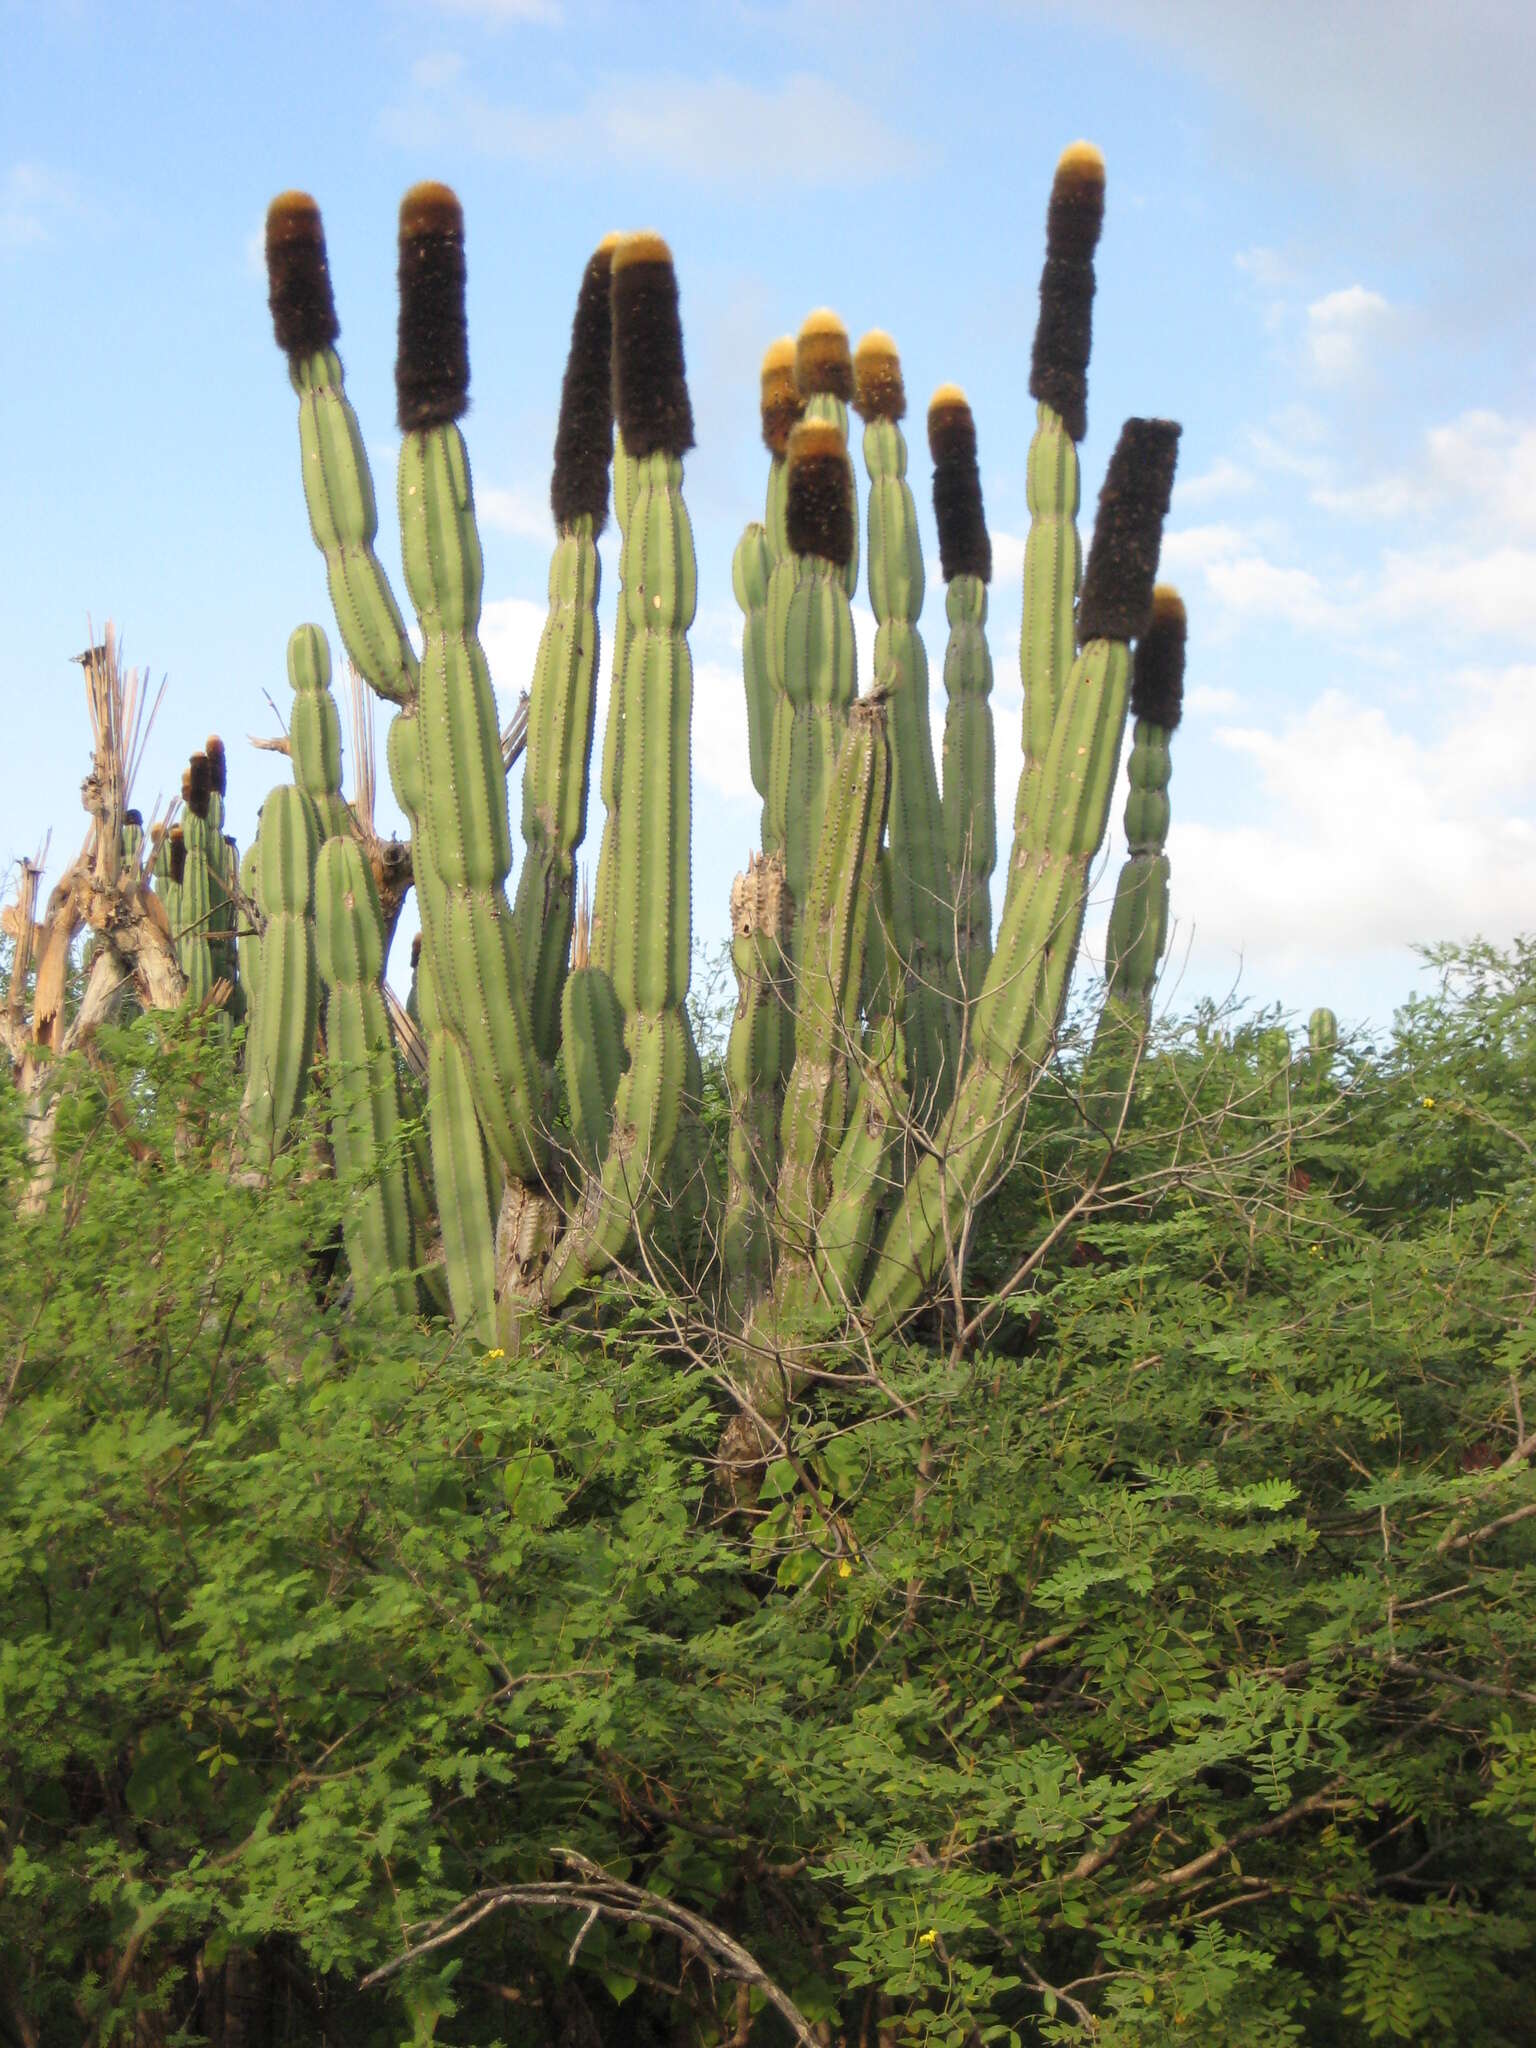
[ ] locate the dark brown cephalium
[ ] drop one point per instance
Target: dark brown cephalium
(823, 365)
(178, 856)
(782, 404)
(1116, 599)
(965, 546)
(199, 785)
(432, 351)
(584, 436)
(1157, 673)
(818, 508)
(650, 381)
(298, 277)
(1058, 373)
(218, 764)
(415, 952)
(134, 818)
(878, 392)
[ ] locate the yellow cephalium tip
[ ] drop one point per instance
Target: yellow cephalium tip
(1082, 163)
(779, 356)
(645, 247)
(810, 438)
(610, 242)
(947, 398)
(823, 321)
(431, 209)
(876, 343)
(293, 212)
(1167, 605)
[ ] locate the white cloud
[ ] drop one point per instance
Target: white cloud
(510, 628)
(1456, 592)
(513, 510)
(1372, 838)
(1342, 329)
(432, 72)
(720, 756)
(1270, 271)
(806, 131)
(32, 199)
(1224, 479)
(501, 12)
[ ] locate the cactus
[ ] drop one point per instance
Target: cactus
(364, 1082)
(921, 898)
(196, 901)
(280, 1046)
(846, 1033)
(970, 753)
(1322, 1036)
(1138, 922)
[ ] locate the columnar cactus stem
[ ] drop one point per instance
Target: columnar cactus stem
(1059, 383)
(464, 825)
(1322, 1035)
(337, 485)
(1021, 1000)
(1138, 923)
(280, 1045)
(811, 648)
(626, 483)
(760, 547)
(196, 905)
(827, 994)
(970, 753)
(563, 703)
(591, 1048)
(920, 885)
(754, 1068)
(364, 1084)
(314, 730)
(463, 1176)
(824, 381)
(650, 937)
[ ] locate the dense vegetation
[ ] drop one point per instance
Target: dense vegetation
(1154, 1660)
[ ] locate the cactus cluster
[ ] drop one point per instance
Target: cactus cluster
(880, 1055)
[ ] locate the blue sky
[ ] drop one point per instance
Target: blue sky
(1316, 255)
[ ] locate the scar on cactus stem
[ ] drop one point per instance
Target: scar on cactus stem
(584, 435)
(965, 547)
(782, 404)
(218, 765)
(819, 502)
(1058, 375)
(878, 392)
(650, 384)
(823, 365)
(432, 356)
(1157, 678)
(298, 277)
(1116, 600)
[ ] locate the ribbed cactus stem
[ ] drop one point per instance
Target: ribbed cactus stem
(626, 483)
(464, 824)
(563, 701)
(463, 1176)
(970, 754)
(811, 650)
(363, 1078)
(921, 896)
(196, 905)
(650, 937)
(1322, 1033)
(754, 1070)
(280, 1044)
(1019, 1010)
(338, 486)
(761, 546)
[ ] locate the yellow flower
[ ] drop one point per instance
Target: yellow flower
(497, 1353)
(1429, 1102)
(927, 1940)
(845, 1570)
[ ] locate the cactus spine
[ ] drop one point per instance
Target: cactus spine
(919, 878)
(970, 752)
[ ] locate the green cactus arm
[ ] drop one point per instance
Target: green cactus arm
(754, 1071)
(462, 1172)
(248, 940)
(464, 825)
(751, 566)
(866, 1171)
(314, 729)
(1019, 1009)
(193, 947)
(562, 703)
(591, 1058)
(280, 1045)
(921, 896)
(1322, 1034)
(829, 984)
(338, 487)
(626, 484)
(363, 1081)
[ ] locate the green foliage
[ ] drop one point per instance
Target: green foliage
(1157, 1664)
